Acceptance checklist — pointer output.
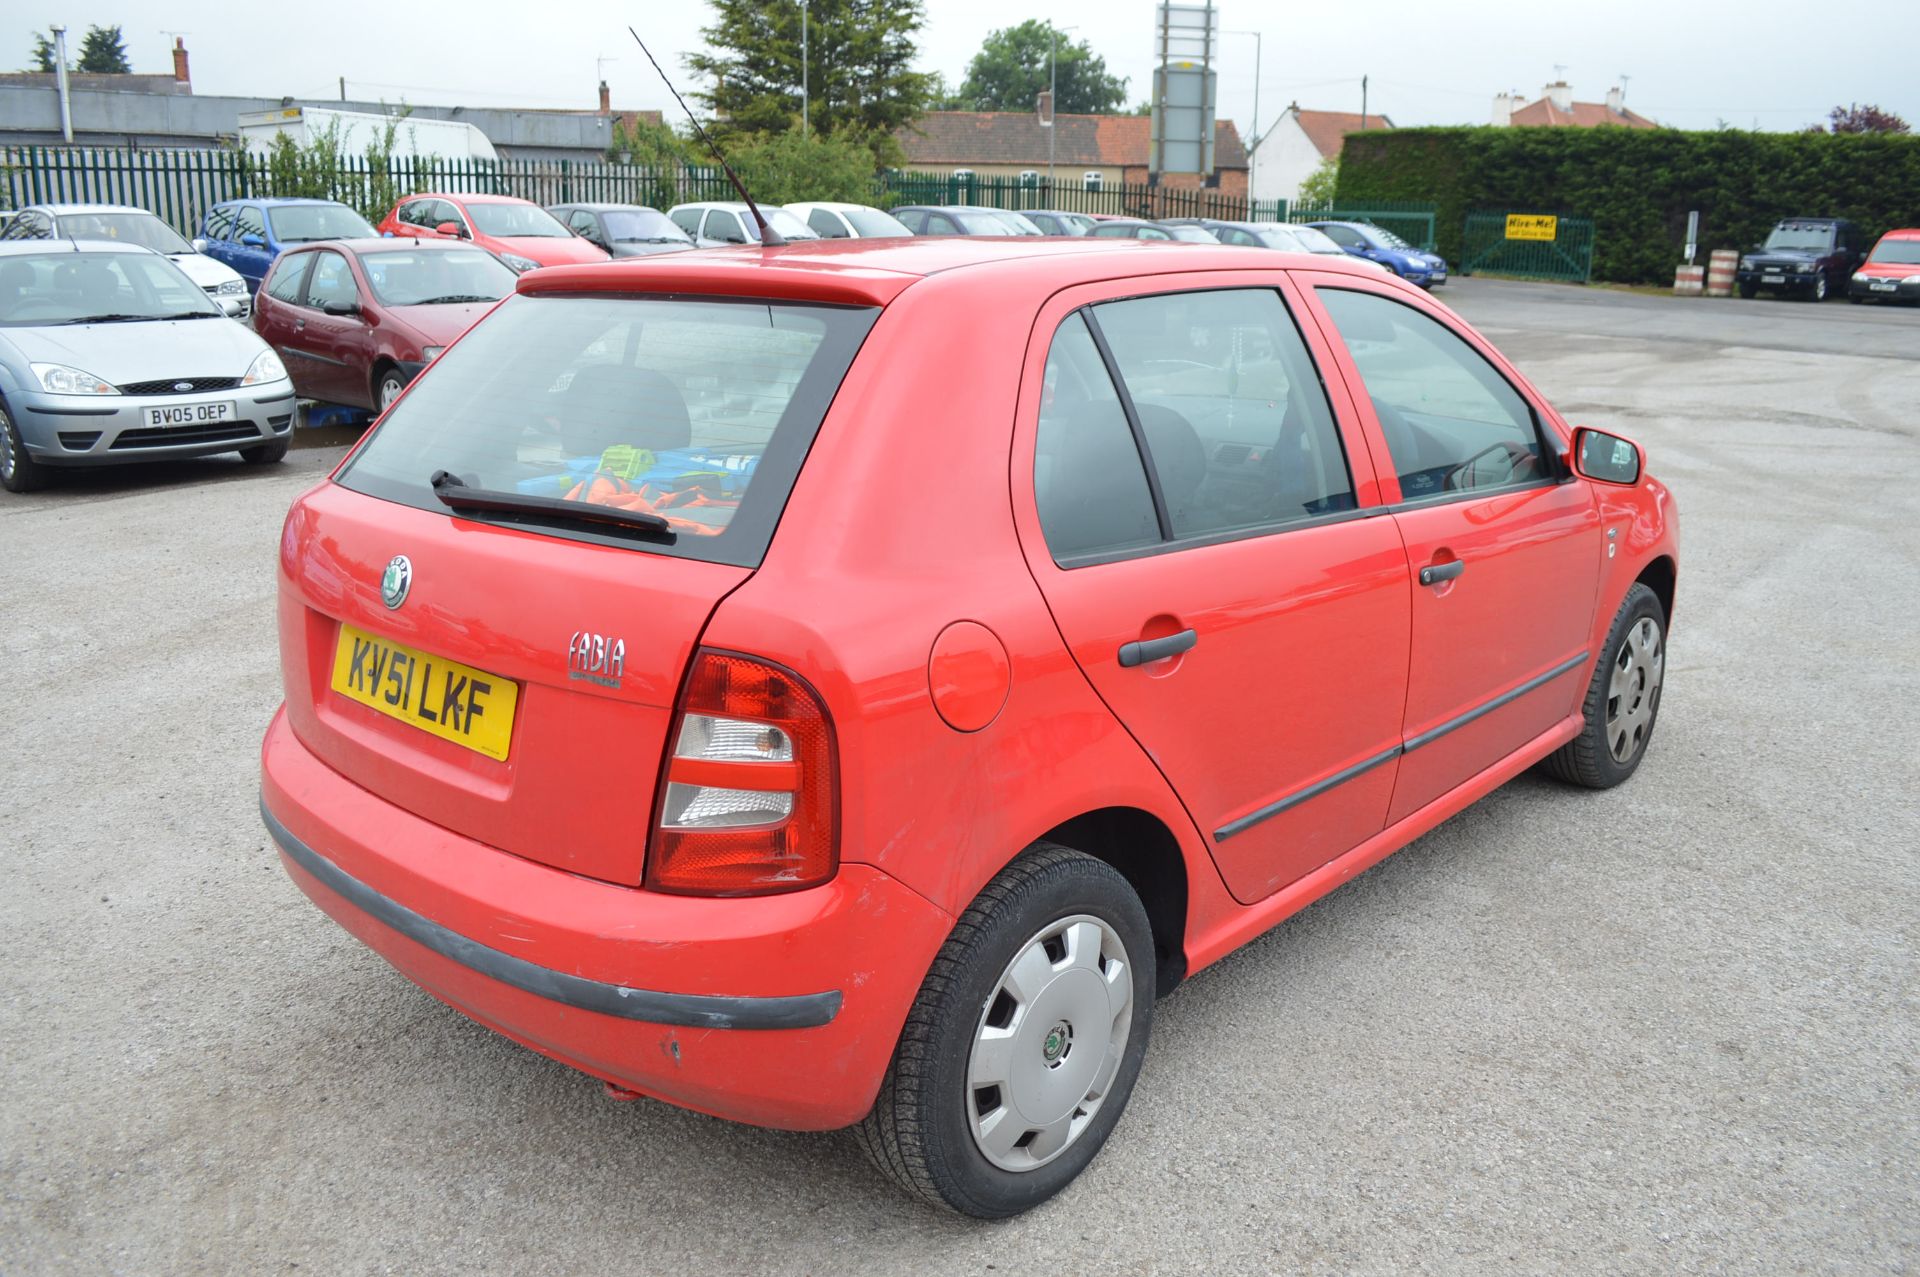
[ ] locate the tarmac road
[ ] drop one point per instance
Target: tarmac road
(1671, 1028)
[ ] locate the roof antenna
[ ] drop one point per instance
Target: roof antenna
(769, 238)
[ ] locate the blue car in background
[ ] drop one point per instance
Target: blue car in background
(248, 234)
(1364, 239)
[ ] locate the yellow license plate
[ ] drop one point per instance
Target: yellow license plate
(452, 701)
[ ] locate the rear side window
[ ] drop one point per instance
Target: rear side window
(1452, 422)
(826, 224)
(697, 411)
(219, 222)
(1088, 482)
(687, 219)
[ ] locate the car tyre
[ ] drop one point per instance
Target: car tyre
(265, 454)
(1747, 291)
(1025, 983)
(387, 387)
(1623, 698)
(19, 472)
(1819, 288)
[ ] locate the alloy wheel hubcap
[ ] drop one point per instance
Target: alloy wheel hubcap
(6, 447)
(1049, 1043)
(389, 391)
(1633, 691)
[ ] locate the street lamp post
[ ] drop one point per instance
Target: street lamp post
(1253, 131)
(804, 125)
(1053, 93)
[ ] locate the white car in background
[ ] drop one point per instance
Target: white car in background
(124, 224)
(719, 223)
(849, 221)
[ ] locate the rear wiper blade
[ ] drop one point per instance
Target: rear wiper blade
(455, 493)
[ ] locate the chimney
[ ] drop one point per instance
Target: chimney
(180, 61)
(1616, 101)
(606, 99)
(1561, 95)
(1503, 109)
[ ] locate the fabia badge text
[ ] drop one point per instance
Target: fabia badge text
(595, 658)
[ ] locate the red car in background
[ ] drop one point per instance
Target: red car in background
(519, 232)
(1891, 271)
(848, 683)
(355, 320)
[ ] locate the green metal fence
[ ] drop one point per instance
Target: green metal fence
(1410, 221)
(180, 185)
(1504, 243)
(1128, 199)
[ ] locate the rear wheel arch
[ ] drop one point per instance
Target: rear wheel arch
(1140, 847)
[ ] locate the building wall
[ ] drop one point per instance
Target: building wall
(1286, 158)
(1227, 181)
(1063, 173)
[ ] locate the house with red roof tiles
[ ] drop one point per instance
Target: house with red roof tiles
(1555, 108)
(1088, 150)
(1295, 145)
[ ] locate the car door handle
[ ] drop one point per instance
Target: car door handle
(1145, 650)
(1438, 572)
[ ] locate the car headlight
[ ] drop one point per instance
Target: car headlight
(233, 288)
(1859, 277)
(518, 263)
(1746, 263)
(1912, 279)
(58, 379)
(431, 353)
(266, 367)
(1805, 268)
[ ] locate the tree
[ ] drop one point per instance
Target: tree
(659, 152)
(1853, 118)
(1320, 184)
(104, 52)
(1010, 72)
(780, 168)
(859, 67)
(42, 54)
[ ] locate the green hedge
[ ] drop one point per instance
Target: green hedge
(1638, 185)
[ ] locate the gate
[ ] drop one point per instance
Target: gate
(1528, 246)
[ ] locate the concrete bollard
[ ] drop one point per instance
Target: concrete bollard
(1689, 281)
(1720, 269)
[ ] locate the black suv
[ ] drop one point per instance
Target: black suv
(1811, 256)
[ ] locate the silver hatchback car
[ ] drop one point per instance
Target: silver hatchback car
(107, 356)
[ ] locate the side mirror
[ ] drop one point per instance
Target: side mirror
(451, 228)
(253, 241)
(202, 245)
(341, 308)
(1606, 458)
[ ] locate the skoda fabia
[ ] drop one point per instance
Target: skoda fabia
(844, 684)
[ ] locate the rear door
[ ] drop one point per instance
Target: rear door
(1210, 542)
(217, 231)
(1504, 543)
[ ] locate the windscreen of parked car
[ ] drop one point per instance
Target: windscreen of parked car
(1314, 241)
(425, 277)
(1020, 222)
(306, 223)
(510, 220)
(871, 223)
(1193, 234)
(143, 229)
(983, 222)
(642, 226)
(49, 289)
(1383, 238)
(1896, 252)
(699, 412)
(1791, 237)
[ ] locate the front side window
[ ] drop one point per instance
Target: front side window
(284, 283)
(687, 219)
(699, 412)
(249, 222)
(332, 283)
(1452, 422)
(219, 222)
(914, 219)
(724, 226)
(826, 224)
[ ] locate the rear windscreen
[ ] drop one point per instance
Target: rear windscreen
(698, 411)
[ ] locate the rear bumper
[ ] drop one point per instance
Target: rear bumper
(780, 1010)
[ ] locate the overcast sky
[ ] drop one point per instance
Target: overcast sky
(1763, 64)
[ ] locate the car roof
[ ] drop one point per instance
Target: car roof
(465, 197)
(1905, 232)
(279, 201)
(603, 206)
(1056, 212)
(21, 247)
(835, 205)
(871, 272)
(61, 209)
(736, 205)
(389, 243)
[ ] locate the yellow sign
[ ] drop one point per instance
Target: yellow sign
(453, 701)
(1533, 226)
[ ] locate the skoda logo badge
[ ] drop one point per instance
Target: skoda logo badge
(396, 581)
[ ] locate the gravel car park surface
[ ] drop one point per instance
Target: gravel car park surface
(1670, 1027)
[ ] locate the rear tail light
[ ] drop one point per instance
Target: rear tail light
(749, 801)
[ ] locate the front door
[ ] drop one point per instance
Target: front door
(1209, 541)
(331, 336)
(1504, 544)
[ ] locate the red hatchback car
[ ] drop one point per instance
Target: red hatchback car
(846, 683)
(519, 232)
(1891, 271)
(355, 320)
